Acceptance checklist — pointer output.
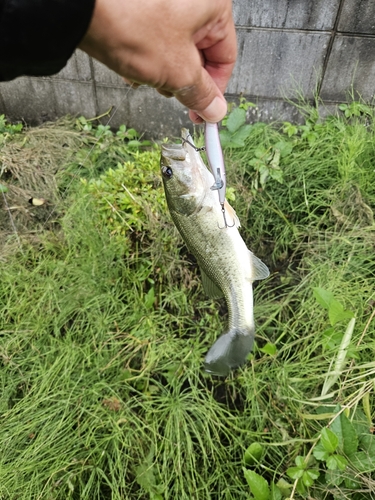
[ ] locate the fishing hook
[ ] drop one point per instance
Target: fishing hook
(192, 145)
(220, 184)
(225, 219)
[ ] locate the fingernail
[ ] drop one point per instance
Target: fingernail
(215, 111)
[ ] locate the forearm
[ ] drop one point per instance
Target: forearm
(37, 37)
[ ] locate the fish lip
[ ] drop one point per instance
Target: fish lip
(173, 152)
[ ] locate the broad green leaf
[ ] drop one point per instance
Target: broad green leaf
(277, 175)
(301, 488)
(242, 134)
(341, 461)
(334, 477)
(334, 311)
(134, 144)
(132, 133)
(261, 153)
(311, 137)
(3, 189)
(256, 163)
(320, 453)
(300, 462)
(225, 138)
(329, 440)
(314, 473)
(331, 463)
(276, 493)
(284, 487)
(352, 484)
(284, 147)
(368, 444)
(337, 313)
(236, 118)
(150, 298)
(345, 431)
(361, 424)
(269, 349)
(362, 461)
(253, 453)
(323, 297)
(309, 477)
(294, 472)
(336, 462)
(331, 338)
(290, 129)
(258, 485)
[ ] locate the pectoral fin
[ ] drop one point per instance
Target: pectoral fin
(260, 270)
(210, 288)
(231, 213)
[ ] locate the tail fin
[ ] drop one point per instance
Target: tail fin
(229, 351)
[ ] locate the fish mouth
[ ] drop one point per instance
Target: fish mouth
(180, 151)
(173, 152)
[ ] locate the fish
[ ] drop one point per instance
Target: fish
(228, 268)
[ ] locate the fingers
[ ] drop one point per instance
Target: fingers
(183, 48)
(195, 118)
(204, 99)
(218, 51)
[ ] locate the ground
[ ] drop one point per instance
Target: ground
(104, 324)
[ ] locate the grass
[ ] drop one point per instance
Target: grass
(104, 325)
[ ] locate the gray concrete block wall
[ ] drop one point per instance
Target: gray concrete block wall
(286, 48)
(286, 14)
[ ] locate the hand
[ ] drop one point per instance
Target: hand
(183, 48)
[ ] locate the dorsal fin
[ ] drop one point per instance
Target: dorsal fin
(260, 270)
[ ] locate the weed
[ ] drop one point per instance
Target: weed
(7, 128)
(104, 324)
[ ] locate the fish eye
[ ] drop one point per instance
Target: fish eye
(167, 172)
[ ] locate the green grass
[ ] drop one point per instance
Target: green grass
(104, 324)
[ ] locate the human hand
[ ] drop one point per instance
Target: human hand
(183, 48)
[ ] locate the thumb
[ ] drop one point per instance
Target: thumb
(203, 98)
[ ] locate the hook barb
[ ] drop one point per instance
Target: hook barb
(226, 225)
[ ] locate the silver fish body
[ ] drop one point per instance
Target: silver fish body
(228, 268)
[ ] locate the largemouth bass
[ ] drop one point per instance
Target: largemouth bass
(228, 268)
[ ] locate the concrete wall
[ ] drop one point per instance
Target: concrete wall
(286, 47)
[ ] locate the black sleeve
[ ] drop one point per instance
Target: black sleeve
(37, 37)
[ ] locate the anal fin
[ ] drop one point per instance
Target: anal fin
(259, 269)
